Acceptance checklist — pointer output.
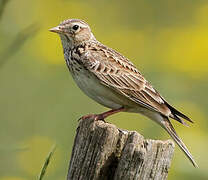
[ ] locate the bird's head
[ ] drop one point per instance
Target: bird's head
(74, 31)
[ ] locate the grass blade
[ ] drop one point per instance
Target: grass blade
(47, 161)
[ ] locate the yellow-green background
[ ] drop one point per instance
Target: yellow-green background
(40, 104)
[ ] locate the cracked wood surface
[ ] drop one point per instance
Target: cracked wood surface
(101, 151)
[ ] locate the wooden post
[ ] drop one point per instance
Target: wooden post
(101, 151)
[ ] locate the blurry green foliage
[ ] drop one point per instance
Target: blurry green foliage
(18, 42)
(2, 6)
(40, 103)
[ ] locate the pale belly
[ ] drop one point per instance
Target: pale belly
(95, 90)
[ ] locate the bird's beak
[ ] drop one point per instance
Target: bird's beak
(56, 29)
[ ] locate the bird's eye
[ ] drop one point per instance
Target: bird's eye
(75, 27)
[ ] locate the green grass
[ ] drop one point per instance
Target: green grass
(46, 163)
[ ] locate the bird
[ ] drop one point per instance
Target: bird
(113, 81)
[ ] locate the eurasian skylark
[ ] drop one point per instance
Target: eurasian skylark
(112, 80)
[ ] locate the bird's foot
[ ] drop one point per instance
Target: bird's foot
(95, 117)
(102, 116)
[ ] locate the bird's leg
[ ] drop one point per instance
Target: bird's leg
(102, 116)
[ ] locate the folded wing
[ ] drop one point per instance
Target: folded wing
(118, 73)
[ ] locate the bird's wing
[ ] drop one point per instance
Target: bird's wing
(118, 73)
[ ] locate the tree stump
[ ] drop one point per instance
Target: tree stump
(101, 151)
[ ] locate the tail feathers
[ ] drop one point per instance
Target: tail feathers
(179, 119)
(166, 124)
(178, 115)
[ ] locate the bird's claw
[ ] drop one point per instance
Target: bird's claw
(95, 117)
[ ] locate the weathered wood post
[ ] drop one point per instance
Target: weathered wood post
(101, 151)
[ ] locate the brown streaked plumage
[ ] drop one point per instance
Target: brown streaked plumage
(112, 80)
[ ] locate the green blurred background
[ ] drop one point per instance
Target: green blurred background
(40, 104)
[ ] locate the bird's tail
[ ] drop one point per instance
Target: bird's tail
(166, 124)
